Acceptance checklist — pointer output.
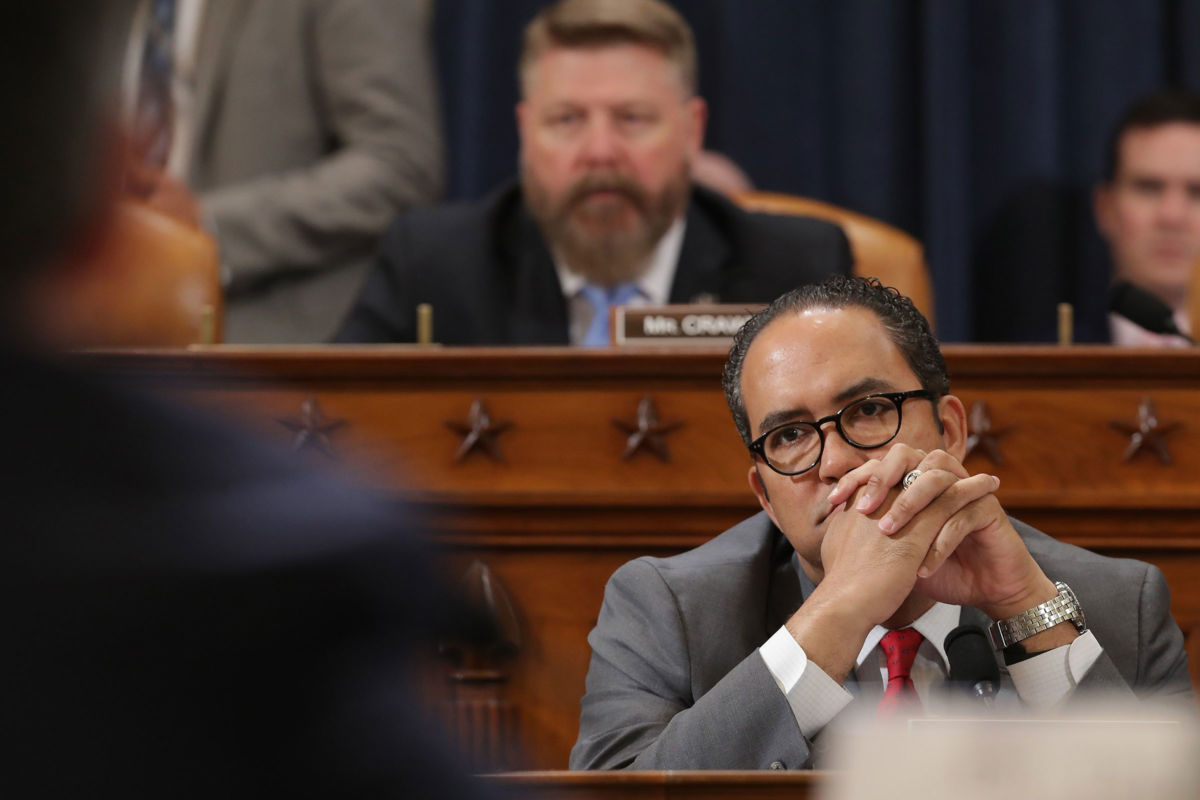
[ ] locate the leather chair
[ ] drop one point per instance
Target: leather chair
(1194, 300)
(880, 250)
(154, 282)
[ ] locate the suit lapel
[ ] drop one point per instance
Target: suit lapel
(699, 276)
(789, 585)
(219, 32)
(537, 312)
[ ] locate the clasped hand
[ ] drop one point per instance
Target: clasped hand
(946, 537)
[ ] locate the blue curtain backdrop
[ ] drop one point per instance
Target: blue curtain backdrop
(979, 126)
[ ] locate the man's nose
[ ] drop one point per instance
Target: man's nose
(600, 144)
(1174, 206)
(838, 456)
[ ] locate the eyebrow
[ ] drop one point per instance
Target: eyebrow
(854, 391)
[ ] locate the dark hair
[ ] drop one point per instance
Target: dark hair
(597, 23)
(58, 81)
(1160, 108)
(906, 326)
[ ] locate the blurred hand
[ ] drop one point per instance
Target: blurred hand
(160, 191)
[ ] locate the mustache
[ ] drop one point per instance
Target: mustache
(627, 187)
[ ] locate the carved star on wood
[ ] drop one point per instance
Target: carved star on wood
(981, 436)
(648, 431)
(479, 432)
(1148, 434)
(312, 428)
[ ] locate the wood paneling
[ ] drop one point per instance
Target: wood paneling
(564, 509)
(714, 785)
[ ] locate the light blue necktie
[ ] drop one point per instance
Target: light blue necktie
(601, 300)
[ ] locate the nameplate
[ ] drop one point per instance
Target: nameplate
(680, 324)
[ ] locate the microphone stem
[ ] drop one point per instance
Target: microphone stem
(985, 691)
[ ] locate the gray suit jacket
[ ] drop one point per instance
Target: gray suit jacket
(676, 681)
(316, 122)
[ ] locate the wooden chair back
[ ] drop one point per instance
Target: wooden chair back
(155, 282)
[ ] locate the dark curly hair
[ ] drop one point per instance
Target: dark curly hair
(906, 326)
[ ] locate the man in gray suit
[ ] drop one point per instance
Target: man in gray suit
(738, 654)
(304, 127)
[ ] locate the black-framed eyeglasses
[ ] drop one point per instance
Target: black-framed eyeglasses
(872, 421)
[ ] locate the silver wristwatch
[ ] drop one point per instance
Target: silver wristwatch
(1062, 608)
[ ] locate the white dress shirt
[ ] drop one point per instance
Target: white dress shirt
(1129, 334)
(1041, 682)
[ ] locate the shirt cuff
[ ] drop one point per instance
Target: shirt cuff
(1049, 678)
(815, 697)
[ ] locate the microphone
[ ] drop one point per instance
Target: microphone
(972, 664)
(1143, 309)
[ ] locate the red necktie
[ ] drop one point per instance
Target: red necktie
(900, 648)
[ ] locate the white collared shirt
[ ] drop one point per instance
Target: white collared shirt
(1126, 333)
(1042, 682)
(654, 285)
(931, 665)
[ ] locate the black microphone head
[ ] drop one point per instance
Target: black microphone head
(970, 655)
(1142, 308)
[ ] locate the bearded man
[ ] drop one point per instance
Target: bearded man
(605, 212)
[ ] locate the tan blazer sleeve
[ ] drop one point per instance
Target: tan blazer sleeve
(368, 72)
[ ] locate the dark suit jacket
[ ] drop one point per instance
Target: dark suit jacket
(187, 614)
(486, 270)
(676, 681)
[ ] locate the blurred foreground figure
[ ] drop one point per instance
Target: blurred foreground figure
(1148, 210)
(186, 615)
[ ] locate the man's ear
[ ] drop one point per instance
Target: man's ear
(697, 111)
(521, 112)
(760, 491)
(954, 426)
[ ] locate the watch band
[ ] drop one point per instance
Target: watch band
(1063, 607)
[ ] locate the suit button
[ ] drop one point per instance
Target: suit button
(777, 765)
